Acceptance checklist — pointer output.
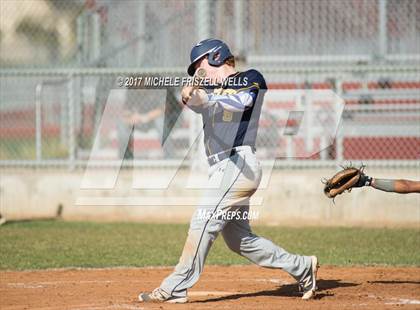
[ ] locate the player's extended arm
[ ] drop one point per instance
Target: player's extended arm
(390, 185)
(396, 186)
(235, 102)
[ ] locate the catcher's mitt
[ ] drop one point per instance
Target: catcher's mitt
(344, 180)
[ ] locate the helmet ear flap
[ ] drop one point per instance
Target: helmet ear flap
(215, 58)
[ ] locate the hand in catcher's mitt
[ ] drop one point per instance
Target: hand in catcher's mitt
(344, 180)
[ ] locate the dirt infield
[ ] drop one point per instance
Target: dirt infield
(220, 287)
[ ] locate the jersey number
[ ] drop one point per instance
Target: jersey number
(227, 116)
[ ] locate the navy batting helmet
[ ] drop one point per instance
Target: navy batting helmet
(217, 51)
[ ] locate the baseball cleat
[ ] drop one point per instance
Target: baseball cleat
(308, 283)
(159, 295)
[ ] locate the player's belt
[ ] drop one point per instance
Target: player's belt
(215, 158)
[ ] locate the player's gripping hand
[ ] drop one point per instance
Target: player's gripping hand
(199, 98)
(186, 93)
(196, 97)
(194, 92)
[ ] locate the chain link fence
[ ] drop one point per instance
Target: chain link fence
(61, 62)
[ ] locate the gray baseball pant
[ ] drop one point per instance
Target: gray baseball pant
(231, 183)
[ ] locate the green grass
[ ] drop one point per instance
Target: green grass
(54, 244)
(25, 148)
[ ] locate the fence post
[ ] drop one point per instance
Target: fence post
(382, 28)
(80, 38)
(72, 138)
(202, 9)
(38, 123)
(339, 148)
(239, 33)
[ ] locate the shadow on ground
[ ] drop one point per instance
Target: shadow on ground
(394, 282)
(289, 290)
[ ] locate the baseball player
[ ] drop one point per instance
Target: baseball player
(230, 113)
